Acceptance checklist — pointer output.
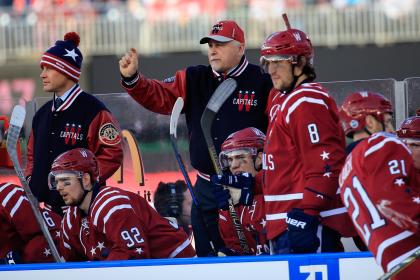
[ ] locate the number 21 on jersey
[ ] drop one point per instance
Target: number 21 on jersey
(349, 198)
(397, 167)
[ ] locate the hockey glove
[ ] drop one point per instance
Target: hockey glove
(302, 229)
(11, 258)
(222, 196)
(243, 182)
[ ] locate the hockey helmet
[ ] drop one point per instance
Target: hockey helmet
(410, 129)
(287, 45)
(76, 161)
(248, 140)
(360, 104)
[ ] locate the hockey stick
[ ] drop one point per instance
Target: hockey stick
(402, 265)
(222, 92)
(176, 111)
(16, 123)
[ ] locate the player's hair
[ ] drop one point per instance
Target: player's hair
(309, 71)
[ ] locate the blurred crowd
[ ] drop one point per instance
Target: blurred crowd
(184, 10)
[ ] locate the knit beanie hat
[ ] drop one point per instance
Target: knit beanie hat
(65, 57)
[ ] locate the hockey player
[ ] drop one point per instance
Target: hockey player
(241, 156)
(21, 238)
(304, 151)
(364, 113)
(106, 223)
(196, 84)
(72, 119)
(380, 189)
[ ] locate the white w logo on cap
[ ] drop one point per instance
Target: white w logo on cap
(258, 132)
(83, 153)
(297, 36)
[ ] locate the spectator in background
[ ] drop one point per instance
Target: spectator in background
(6, 3)
(173, 201)
(349, 3)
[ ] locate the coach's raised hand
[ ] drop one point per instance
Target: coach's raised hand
(129, 64)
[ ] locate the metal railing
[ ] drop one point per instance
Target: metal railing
(118, 29)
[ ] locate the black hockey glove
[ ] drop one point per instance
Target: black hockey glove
(222, 196)
(241, 187)
(11, 258)
(302, 229)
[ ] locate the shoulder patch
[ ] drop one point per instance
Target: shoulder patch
(109, 134)
(169, 80)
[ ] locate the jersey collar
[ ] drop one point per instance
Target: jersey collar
(70, 96)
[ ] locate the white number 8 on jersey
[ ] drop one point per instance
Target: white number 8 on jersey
(313, 133)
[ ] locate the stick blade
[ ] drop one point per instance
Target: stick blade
(16, 123)
(222, 92)
(18, 116)
(176, 112)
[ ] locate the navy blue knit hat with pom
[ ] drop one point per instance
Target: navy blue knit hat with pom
(65, 57)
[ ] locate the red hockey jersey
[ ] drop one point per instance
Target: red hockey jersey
(252, 219)
(379, 187)
(19, 229)
(121, 225)
(303, 155)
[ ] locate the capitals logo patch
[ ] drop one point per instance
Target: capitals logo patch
(72, 133)
(245, 100)
(109, 134)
